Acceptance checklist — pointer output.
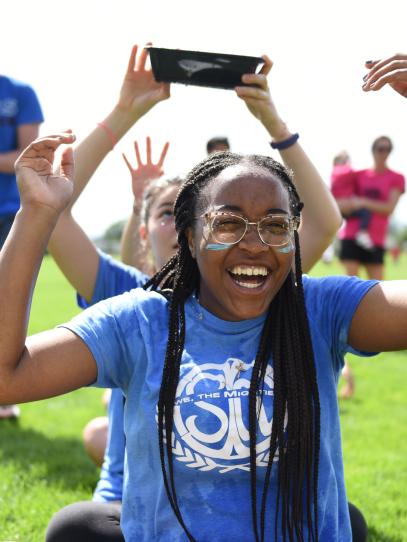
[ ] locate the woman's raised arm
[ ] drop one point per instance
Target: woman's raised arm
(57, 361)
(321, 218)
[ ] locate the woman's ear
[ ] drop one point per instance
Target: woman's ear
(191, 241)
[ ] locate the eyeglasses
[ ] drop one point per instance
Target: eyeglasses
(229, 229)
(382, 149)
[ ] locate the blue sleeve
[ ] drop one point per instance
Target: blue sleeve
(29, 109)
(331, 303)
(113, 278)
(111, 331)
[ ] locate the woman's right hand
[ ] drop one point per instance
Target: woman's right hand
(140, 91)
(39, 187)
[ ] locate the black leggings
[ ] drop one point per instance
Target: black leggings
(100, 522)
(357, 523)
(86, 521)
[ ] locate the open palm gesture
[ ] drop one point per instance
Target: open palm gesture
(145, 172)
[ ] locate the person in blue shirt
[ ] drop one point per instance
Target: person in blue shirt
(20, 118)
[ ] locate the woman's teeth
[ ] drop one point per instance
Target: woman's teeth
(248, 270)
(249, 276)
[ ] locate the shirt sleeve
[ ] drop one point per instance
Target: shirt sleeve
(29, 108)
(111, 331)
(398, 182)
(331, 303)
(113, 278)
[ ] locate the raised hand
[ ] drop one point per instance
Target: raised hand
(258, 99)
(390, 71)
(140, 91)
(143, 173)
(38, 185)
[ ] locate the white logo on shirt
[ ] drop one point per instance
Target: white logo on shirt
(210, 425)
(8, 107)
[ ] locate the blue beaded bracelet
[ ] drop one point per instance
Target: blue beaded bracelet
(281, 145)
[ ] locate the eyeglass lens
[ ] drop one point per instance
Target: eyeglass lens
(230, 229)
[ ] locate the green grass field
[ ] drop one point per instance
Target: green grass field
(43, 466)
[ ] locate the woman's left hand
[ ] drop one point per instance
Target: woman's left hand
(258, 99)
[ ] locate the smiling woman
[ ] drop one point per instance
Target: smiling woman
(240, 281)
(243, 277)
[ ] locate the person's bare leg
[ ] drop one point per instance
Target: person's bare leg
(348, 389)
(375, 271)
(95, 438)
(351, 267)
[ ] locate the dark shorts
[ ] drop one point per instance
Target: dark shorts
(349, 250)
(5, 226)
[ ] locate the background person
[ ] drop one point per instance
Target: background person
(367, 212)
(216, 144)
(20, 118)
(379, 189)
(363, 239)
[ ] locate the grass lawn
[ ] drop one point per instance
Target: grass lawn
(43, 466)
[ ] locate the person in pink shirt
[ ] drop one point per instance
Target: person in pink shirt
(366, 199)
(378, 190)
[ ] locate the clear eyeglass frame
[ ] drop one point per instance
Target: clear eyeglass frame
(291, 223)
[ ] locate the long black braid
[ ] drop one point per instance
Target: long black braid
(295, 431)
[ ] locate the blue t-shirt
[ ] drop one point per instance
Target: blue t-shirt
(18, 105)
(128, 337)
(113, 278)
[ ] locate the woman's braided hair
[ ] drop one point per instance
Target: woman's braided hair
(295, 432)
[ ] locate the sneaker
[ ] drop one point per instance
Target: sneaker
(9, 412)
(364, 240)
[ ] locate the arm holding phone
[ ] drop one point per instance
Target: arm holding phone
(69, 243)
(321, 218)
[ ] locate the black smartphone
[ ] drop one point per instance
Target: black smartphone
(215, 70)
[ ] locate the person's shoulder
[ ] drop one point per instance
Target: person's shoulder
(334, 294)
(144, 300)
(330, 282)
(136, 305)
(15, 83)
(396, 174)
(363, 172)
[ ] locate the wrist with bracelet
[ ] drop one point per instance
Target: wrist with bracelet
(285, 143)
(109, 133)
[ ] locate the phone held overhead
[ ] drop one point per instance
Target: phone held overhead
(201, 68)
